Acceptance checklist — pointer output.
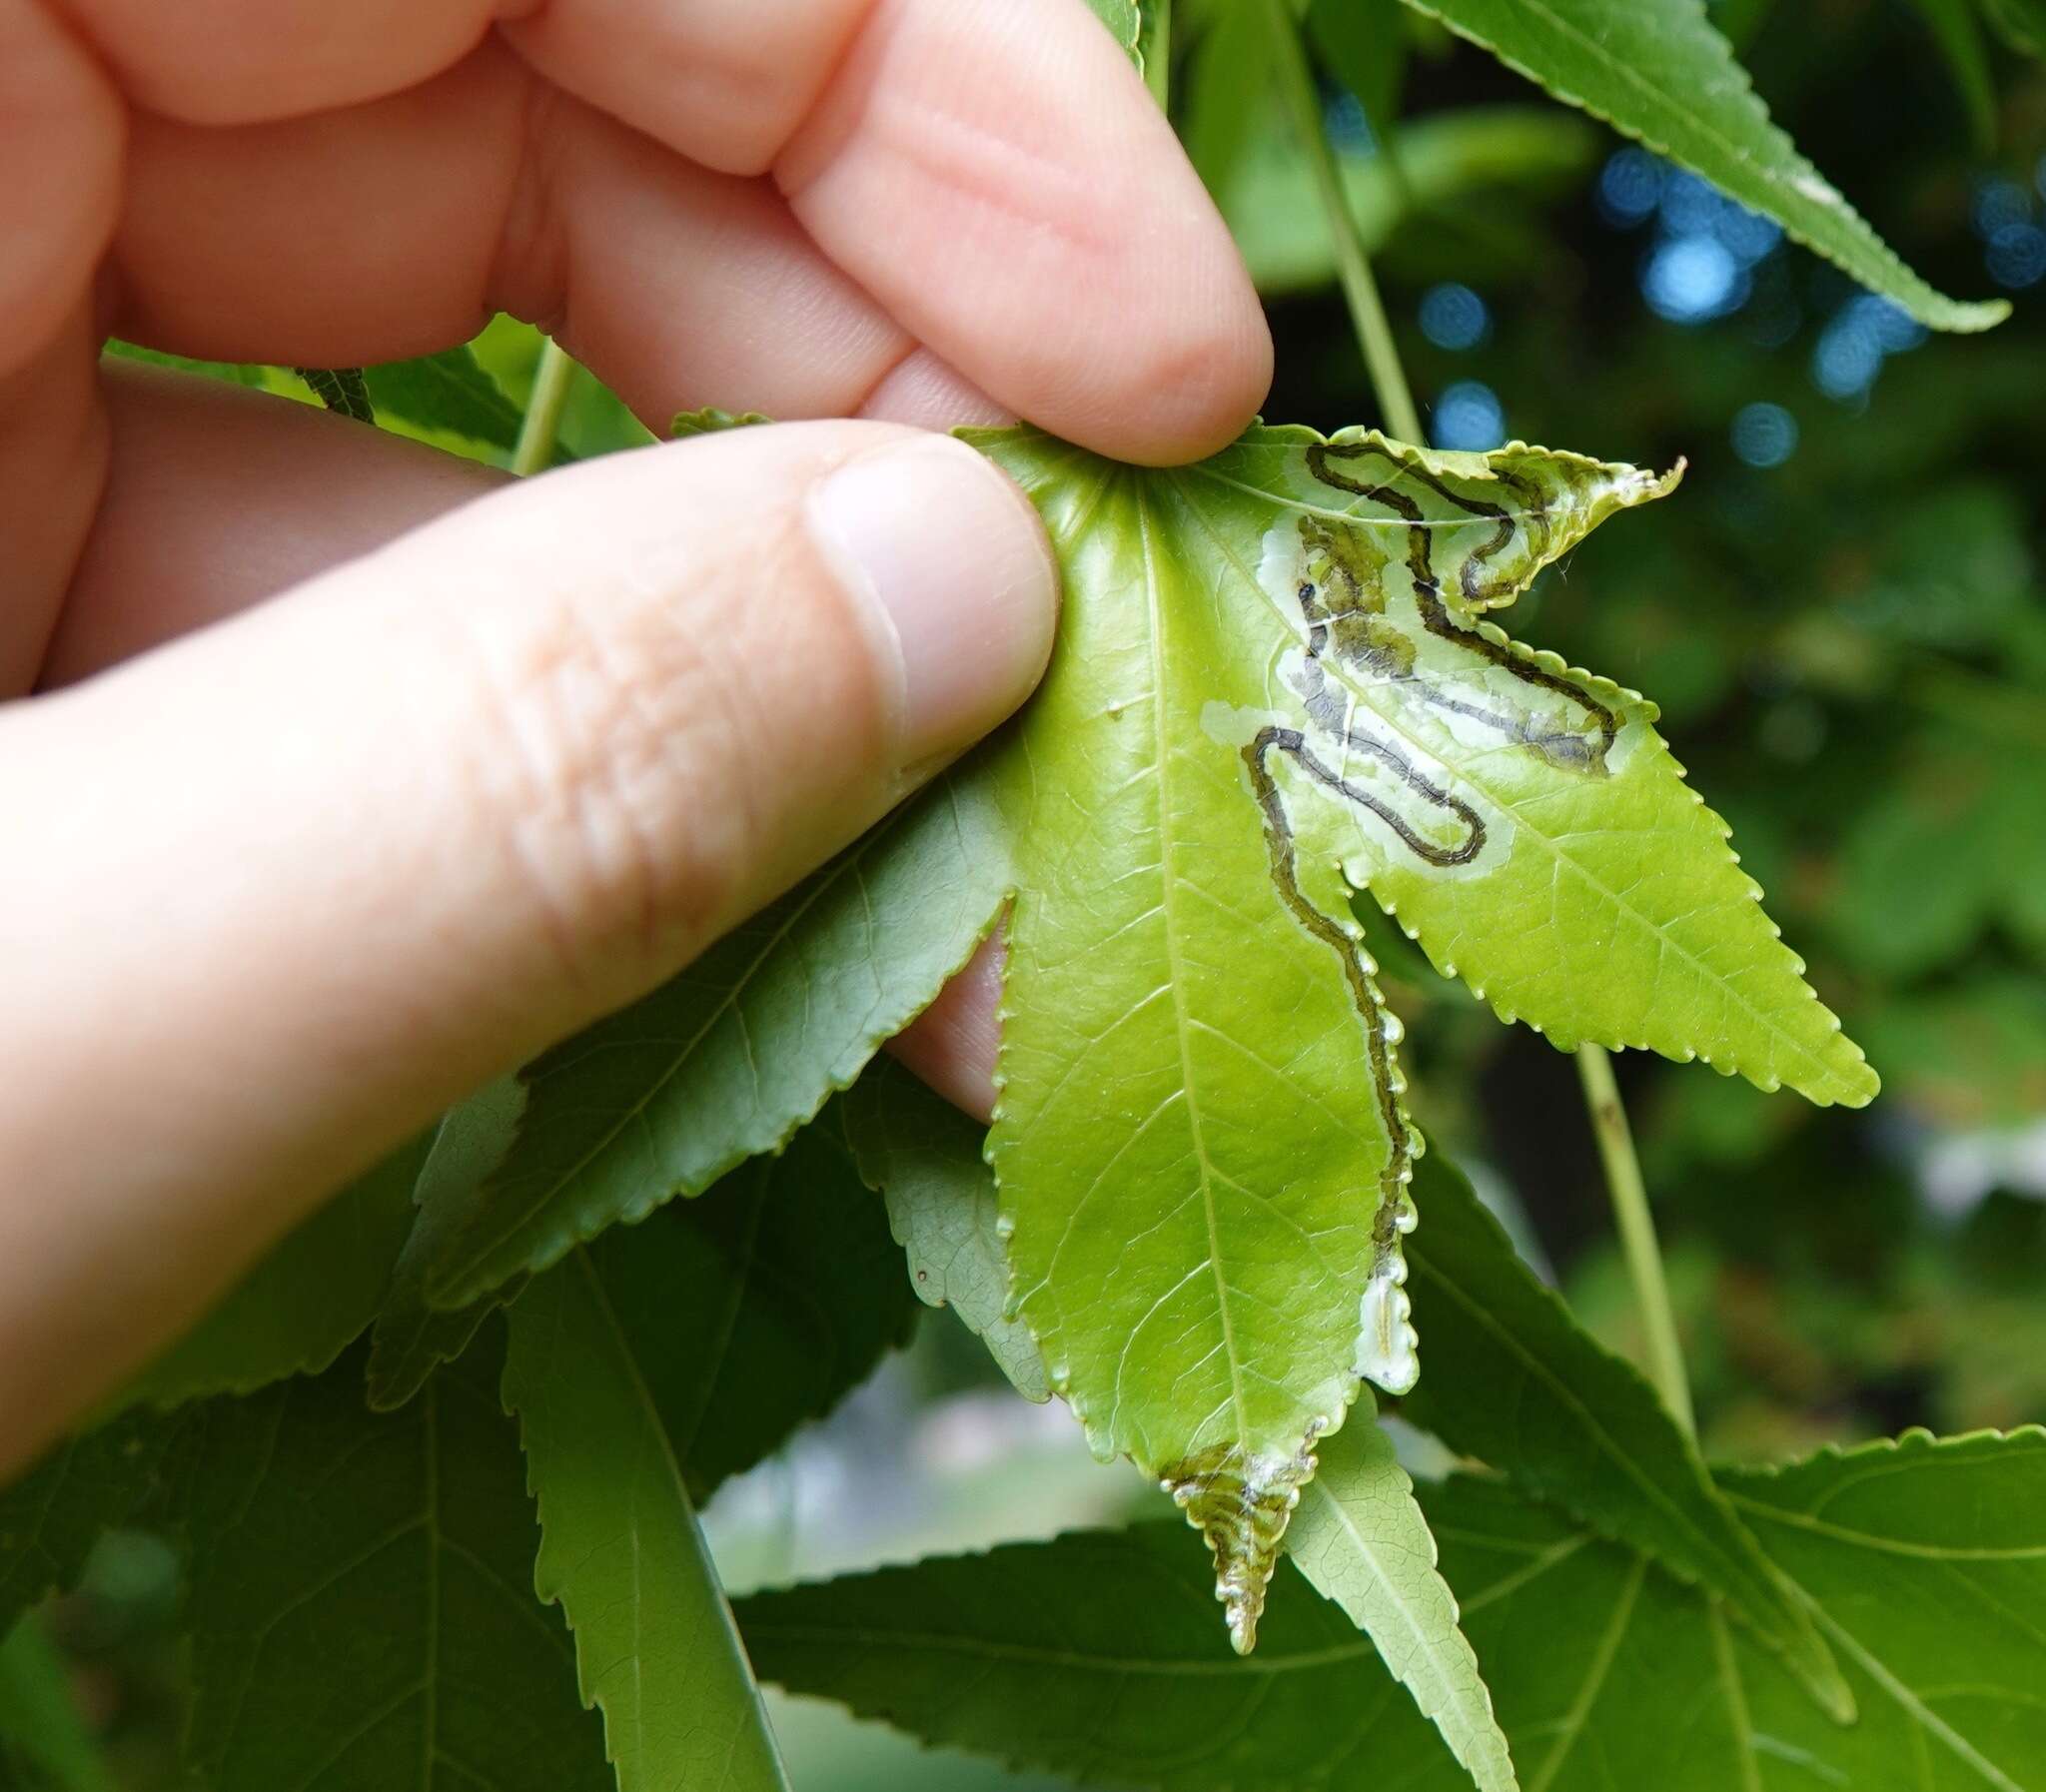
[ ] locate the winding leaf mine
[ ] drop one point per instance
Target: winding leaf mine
(1273, 685)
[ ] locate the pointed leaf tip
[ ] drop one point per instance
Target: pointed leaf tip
(1241, 1503)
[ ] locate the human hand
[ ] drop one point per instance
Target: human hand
(495, 763)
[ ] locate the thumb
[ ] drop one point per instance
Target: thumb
(297, 881)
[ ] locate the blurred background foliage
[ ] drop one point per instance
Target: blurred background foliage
(1841, 616)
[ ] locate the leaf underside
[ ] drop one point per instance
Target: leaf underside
(1658, 71)
(361, 1596)
(926, 1158)
(1272, 685)
(1362, 1540)
(1091, 1655)
(729, 1057)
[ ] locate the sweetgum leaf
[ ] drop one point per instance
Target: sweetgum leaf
(341, 389)
(51, 1516)
(927, 1161)
(450, 391)
(646, 1369)
(1090, 1655)
(303, 1304)
(1271, 684)
(733, 1055)
(1658, 71)
(412, 1337)
(623, 1553)
(1362, 1540)
(361, 1596)
(1515, 1381)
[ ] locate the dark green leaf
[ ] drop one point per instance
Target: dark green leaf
(361, 1605)
(412, 1337)
(1513, 1381)
(341, 389)
(1924, 1562)
(743, 1046)
(304, 1302)
(760, 1306)
(1363, 43)
(1658, 71)
(1959, 37)
(51, 1516)
(623, 1553)
(646, 1369)
(451, 392)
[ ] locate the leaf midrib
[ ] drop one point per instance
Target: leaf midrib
(1181, 1022)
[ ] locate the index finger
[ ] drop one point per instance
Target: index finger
(995, 173)
(992, 171)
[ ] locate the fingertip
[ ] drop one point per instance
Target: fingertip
(1187, 392)
(995, 174)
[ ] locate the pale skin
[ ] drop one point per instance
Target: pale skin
(340, 781)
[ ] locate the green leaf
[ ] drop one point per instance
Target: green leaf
(304, 1302)
(927, 1160)
(1955, 28)
(1437, 168)
(1269, 669)
(1228, 91)
(39, 1719)
(1924, 1562)
(1655, 69)
(1515, 1382)
(361, 1600)
(1362, 1540)
(412, 1337)
(710, 419)
(760, 1306)
(449, 392)
(1125, 24)
(623, 1553)
(2021, 23)
(51, 1516)
(740, 1049)
(341, 389)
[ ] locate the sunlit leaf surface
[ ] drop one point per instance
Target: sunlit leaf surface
(1273, 685)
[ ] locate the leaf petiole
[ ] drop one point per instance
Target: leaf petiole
(1637, 1232)
(1360, 285)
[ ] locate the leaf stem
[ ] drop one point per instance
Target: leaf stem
(1359, 287)
(1637, 1232)
(1154, 44)
(551, 378)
